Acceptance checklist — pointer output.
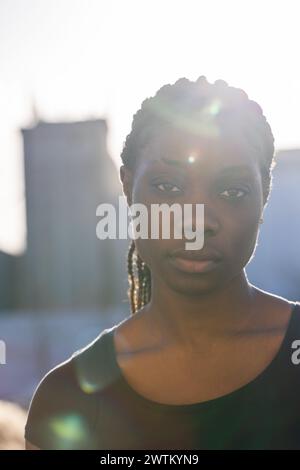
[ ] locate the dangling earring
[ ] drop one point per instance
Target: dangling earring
(261, 220)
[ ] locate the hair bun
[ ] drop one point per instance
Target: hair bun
(202, 79)
(220, 83)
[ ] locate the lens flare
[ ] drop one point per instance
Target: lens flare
(69, 431)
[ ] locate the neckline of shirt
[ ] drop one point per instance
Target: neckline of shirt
(263, 375)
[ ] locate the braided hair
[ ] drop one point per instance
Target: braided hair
(200, 108)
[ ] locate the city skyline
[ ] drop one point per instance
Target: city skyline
(76, 61)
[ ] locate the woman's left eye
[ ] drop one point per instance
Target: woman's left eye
(235, 193)
(169, 187)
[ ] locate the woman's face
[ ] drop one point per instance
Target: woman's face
(225, 177)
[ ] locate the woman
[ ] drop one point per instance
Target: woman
(205, 359)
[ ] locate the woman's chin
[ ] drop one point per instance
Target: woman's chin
(195, 285)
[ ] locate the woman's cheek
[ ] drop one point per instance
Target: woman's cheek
(242, 237)
(149, 251)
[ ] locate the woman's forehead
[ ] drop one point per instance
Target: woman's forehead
(187, 152)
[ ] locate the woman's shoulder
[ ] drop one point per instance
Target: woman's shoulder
(282, 316)
(276, 306)
(65, 402)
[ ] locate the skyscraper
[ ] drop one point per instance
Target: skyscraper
(68, 173)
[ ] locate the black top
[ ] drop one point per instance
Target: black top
(86, 403)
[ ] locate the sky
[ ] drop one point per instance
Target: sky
(82, 59)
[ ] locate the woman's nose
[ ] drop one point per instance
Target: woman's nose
(200, 220)
(203, 218)
(211, 222)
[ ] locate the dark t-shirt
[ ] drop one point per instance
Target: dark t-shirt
(86, 403)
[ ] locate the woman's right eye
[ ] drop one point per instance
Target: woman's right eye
(169, 187)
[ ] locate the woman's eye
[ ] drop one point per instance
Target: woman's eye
(234, 193)
(169, 187)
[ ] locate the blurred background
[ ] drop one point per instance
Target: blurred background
(72, 74)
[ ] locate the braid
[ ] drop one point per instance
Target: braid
(139, 265)
(139, 276)
(199, 108)
(131, 290)
(145, 284)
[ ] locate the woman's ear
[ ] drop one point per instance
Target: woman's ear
(126, 178)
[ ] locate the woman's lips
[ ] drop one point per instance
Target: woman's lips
(193, 266)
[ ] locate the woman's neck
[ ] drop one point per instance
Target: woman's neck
(185, 321)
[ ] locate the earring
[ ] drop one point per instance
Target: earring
(261, 220)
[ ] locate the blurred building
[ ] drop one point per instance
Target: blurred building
(276, 264)
(68, 173)
(8, 266)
